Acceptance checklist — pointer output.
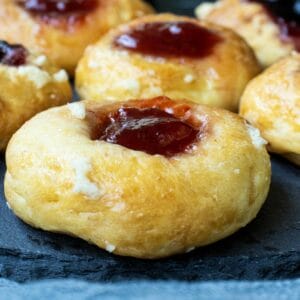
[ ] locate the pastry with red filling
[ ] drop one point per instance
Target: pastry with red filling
(29, 83)
(142, 178)
(62, 29)
(168, 55)
(271, 36)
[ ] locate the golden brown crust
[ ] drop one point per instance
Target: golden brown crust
(27, 90)
(271, 102)
(129, 202)
(64, 44)
(106, 73)
(253, 23)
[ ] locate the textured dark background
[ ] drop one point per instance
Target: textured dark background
(269, 248)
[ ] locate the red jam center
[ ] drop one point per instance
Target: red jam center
(286, 20)
(12, 55)
(151, 130)
(179, 39)
(58, 6)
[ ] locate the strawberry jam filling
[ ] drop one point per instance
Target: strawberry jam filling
(169, 39)
(12, 55)
(148, 128)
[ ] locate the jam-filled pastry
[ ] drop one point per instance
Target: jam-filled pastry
(29, 83)
(271, 102)
(62, 29)
(143, 178)
(270, 36)
(168, 55)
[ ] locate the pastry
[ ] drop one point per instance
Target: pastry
(62, 29)
(29, 83)
(271, 102)
(167, 55)
(144, 178)
(270, 36)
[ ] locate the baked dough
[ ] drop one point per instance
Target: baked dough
(28, 89)
(271, 102)
(63, 38)
(254, 23)
(129, 202)
(218, 79)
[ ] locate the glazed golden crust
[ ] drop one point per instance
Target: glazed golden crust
(271, 102)
(129, 202)
(64, 44)
(253, 23)
(27, 90)
(106, 73)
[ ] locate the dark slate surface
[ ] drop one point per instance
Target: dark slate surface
(269, 248)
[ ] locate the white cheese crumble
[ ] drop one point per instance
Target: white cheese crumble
(39, 77)
(77, 110)
(189, 78)
(8, 205)
(237, 171)
(82, 184)
(60, 76)
(130, 85)
(118, 207)
(40, 60)
(190, 249)
(256, 137)
(109, 247)
(204, 10)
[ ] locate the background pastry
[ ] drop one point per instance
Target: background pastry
(62, 29)
(271, 37)
(146, 178)
(167, 55)
(271, 102)
(29, 83)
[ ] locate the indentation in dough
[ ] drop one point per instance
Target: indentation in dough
(82, 184)
(77, 110)
(39, 77)
(109, 247)
(256, 137)
(60, 76)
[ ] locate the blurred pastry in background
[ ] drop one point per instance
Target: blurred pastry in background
(271, 102)
(63, 29)
(29, 83)
(272, 36)
(165, 54)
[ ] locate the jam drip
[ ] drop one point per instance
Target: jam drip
(285, 16)
(169, 39)
(59, 13)
(12, 55)
(149, 129)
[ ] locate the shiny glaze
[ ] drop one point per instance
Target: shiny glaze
(169, 39)
(12, 55)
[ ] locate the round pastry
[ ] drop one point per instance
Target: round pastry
(270, 36)
(144, 178)
(271, 102)
(167, 55)
(29, 83)
(62, 29)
